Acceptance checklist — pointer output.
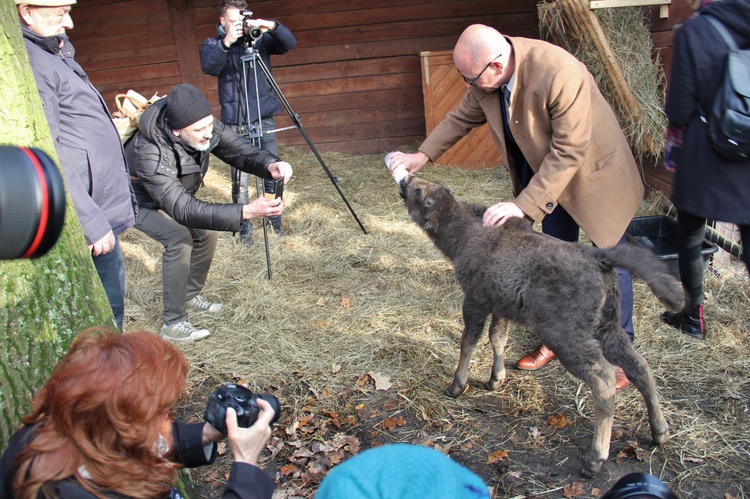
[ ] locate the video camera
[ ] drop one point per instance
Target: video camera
(242, 400)
(250, 30)
(32, 203)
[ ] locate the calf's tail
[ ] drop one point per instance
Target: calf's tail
(645, 265)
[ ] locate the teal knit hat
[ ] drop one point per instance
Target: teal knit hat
(401, 471)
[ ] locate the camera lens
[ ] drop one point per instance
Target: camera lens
(32, 203)
(639, 486)
(274, 403)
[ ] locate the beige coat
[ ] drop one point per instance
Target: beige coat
(567, 132)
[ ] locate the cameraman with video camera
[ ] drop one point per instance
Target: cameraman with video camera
(102, 427)
(222, 56)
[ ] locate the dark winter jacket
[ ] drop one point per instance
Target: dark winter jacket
(226, 63)
(245, 480)
(706, 184)
(166, 174)
(85, 138)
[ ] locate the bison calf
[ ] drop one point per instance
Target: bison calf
(566, 292)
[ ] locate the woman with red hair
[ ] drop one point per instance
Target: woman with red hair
(102, 427)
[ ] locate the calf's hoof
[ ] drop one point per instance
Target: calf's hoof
(661, 438)
(493, 384)
(455, 390)
(591, 467)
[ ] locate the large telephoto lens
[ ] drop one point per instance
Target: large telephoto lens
(32, 203)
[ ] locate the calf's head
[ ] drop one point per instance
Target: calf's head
(427, 202)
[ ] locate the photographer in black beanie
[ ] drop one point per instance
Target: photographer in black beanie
(168, 158)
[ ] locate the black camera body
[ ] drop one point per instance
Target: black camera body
(248, 28)
(242, 400)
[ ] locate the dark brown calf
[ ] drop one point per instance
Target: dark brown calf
(566, 292)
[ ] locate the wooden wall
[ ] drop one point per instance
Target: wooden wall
(354, 78)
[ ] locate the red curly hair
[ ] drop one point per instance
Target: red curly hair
(102, 411)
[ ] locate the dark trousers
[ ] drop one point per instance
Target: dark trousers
(111, 270)
(691, 231)
(185, 262)
(560, 224)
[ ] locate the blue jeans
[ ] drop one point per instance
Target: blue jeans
(111, 270)
(560, 224)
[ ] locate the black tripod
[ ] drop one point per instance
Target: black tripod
(253, 60)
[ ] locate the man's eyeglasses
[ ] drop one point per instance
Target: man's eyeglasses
(473, 82)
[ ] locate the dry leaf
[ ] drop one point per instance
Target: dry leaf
(391, 404)
(363, 380)
(391, 423)
(574, 489)
(321, 302)
(345, 302)
(289, 469)
(596, 492)
(498, 455)
(320, 323)
(559, 420)
(335, 368)
(381, 382)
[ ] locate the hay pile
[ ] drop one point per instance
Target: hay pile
(342, 304)
(615, 44)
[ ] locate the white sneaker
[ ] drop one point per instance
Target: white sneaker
(200, 303)
(183, 332)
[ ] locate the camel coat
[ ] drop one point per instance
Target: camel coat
(567, 132)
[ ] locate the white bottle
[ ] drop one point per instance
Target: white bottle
(398, 173)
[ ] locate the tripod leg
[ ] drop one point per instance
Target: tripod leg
(295, 119)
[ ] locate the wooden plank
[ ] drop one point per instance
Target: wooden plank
(444, 89)
(183, 30)
(128, 58)
(608, 4)
(132, 25)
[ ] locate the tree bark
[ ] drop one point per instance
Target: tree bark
(44, 302)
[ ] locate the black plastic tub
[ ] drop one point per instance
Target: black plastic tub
(659, 234)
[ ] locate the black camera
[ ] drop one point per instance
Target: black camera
(248, 28)
(242, 400)
(32, 203)
(639, 486)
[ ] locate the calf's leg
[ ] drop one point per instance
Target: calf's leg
(498, 338)
(474, 320)
(586, 362)
(620, 351)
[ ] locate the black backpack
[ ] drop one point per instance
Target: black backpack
(729, 119)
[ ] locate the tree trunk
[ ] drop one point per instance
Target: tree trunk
(44, 302)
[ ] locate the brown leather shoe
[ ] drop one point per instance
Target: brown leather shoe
(622, 380)
(536, 359)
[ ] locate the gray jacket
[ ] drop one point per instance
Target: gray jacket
(166, 174)
(86, 139)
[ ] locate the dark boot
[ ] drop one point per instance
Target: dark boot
(276, 224)
(246, 233)
(689, 321)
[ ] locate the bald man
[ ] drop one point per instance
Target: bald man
(569, 161)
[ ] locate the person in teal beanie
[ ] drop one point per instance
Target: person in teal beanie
(398, 471)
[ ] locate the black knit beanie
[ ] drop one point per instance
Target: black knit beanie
(186, 105)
